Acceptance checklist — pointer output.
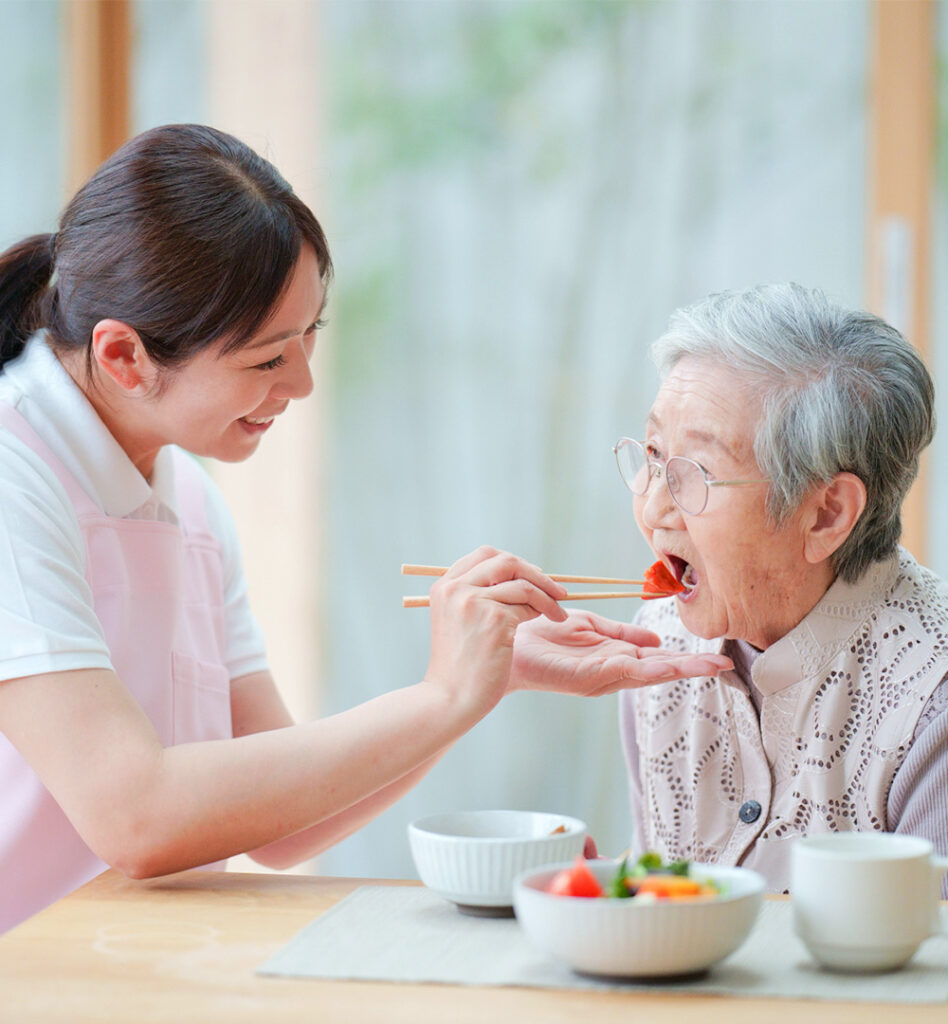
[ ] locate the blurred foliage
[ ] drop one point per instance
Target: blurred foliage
(423, 89)
(456, 99)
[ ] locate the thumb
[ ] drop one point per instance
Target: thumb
(625, 631)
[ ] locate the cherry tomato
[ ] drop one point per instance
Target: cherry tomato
(576, 881)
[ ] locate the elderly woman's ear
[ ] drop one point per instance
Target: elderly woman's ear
(834, 509)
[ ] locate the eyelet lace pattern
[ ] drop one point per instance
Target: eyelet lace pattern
(845, 694)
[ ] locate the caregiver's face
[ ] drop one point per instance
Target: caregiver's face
(745, 576)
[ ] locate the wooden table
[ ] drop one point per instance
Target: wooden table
(185, 948)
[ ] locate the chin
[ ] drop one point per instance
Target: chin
(698, 625)
(232, 456)
(224, 452)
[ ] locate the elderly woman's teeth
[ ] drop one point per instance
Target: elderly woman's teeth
(689, 578)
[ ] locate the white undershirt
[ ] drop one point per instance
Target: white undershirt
(47, 621)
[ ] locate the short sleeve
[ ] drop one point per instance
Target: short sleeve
(47, 619)
(245, 651)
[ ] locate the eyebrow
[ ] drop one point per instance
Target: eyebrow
(702, 436)
(285, 335)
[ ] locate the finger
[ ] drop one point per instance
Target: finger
(623, 673)
(465, 564)
(626, 631)
(504, 566)
(666, 669)
(710, 664)
(524, 593)
(589, 849)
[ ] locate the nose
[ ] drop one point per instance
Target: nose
(296, 377)
(658, 510)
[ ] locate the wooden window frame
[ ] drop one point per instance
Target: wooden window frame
(901, 160)
(98, 61)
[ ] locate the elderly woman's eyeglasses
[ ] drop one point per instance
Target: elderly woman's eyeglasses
(687, 482)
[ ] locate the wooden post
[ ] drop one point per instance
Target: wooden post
(274, 496)
(901, 168)
(98, 45)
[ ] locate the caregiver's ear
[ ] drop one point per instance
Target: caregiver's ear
(835, 509)
(118, 351)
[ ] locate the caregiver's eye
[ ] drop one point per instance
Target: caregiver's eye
(272, 364)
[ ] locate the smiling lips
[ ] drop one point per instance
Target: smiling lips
(256, 424)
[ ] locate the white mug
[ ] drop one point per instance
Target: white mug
(865, 901)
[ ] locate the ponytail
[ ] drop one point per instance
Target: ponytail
(25, 272)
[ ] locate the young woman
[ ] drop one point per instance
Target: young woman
(175, 310)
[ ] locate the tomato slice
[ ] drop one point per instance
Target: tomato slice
(660, 582)
(576, 881)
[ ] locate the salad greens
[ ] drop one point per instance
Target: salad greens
(628, 880)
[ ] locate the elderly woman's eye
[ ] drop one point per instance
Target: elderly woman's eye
(652, 452)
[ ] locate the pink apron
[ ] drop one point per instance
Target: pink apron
(158, 593)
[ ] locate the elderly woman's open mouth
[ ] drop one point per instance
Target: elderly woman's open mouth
(685, 573)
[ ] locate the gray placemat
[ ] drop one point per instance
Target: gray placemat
(409, 934)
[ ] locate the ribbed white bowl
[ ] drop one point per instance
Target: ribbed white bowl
(473, 857)
(631, 939)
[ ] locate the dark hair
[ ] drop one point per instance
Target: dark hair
(185, 234)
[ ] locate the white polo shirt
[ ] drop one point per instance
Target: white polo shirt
(47, 621)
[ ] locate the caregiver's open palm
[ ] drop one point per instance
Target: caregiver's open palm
(589, 655)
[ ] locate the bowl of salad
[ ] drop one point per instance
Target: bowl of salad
(638, 918)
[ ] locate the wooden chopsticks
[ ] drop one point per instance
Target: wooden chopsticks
(440, 570)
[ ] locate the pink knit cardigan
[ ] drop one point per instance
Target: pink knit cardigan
(842, 693)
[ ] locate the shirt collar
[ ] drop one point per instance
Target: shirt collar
(56, 408)
(819, 637)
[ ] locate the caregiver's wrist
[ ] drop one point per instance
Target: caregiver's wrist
(458, 706)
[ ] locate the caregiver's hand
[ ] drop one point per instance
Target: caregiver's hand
(588, 655)
(476, 608)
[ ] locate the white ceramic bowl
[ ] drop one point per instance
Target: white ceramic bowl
(473, 857)
(626, 938)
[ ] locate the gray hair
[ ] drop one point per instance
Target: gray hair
(842, 391)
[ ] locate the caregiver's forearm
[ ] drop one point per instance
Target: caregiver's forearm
(284, 853)
(208, 801)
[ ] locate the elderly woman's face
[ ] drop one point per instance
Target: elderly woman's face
(748, 580)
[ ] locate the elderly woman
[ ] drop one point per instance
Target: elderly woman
(776, 457)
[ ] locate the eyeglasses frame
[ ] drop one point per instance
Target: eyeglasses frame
(657, 469)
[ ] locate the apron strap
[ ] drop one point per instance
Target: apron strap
(16, 424)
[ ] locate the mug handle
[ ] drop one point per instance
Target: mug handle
(940, 866)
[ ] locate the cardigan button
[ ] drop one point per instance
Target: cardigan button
(749, 812)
